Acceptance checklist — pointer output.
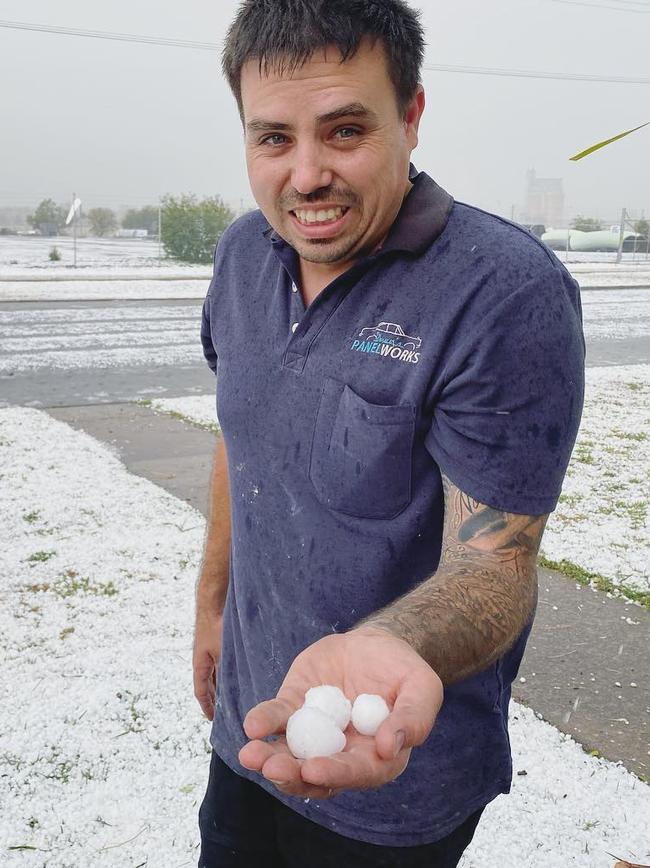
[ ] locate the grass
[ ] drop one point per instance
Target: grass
(40, 557)
(637, 511)
(583, 455)
(136, 722)
(69, 583)
(31, 517)
(181, 417)
(626, 435)
(571, 500)
(601, 583)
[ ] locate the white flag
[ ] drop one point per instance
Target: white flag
(76, 205)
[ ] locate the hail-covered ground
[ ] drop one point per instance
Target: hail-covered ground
(602, 523)
(104, 752)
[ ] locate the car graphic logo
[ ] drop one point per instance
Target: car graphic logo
(390, 333)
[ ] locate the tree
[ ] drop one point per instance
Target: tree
(190, 229)
(48, 218)
(102, 221)
(642, 227)
(586, 224)
(142, 218)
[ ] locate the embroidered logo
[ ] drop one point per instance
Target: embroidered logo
(388, 339)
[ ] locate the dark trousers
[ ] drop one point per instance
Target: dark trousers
(242, 826)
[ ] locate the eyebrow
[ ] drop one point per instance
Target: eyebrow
(351, 110)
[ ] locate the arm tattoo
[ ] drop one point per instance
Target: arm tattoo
(469, 613)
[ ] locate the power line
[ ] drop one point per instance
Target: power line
(645, 11)
(207, 46)
(525, 73)
(119, 37)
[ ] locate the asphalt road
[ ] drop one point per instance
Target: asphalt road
(69, 353)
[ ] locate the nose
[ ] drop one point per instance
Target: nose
(310, 171)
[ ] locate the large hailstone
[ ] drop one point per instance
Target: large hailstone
(368, 713)
(331, 701)
(311, 733)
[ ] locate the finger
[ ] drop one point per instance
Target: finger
(205, 693)
(269, 717)
(354, 769)
(275, 762)
(413, 715)
(205, 697)
(255, 754)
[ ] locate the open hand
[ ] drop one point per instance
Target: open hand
(365, 660)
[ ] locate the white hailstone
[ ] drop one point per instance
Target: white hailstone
(331, 701)
(311, 733)
(368, 713)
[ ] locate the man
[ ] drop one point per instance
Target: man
(399, 383)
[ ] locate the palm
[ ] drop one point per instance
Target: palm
(357, 662)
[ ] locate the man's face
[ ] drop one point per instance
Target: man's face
(328, 152)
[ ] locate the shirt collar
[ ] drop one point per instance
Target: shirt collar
(421, 219)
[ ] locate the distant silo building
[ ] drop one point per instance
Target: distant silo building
(544, 200)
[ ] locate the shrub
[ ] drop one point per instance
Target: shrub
(191, 228)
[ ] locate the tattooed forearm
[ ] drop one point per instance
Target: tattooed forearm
(472, 609)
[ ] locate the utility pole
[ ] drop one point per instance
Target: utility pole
(75, 209)
(568, 242)
(159, 233)
(621, 237)
(74, 230)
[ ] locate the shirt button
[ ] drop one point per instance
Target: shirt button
(294, 288)
(294, 327)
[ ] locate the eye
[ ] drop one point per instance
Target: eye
(347, 132)
(274, 140)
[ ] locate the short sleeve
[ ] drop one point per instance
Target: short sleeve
(206, 336)
(207, 343)
(507, 410)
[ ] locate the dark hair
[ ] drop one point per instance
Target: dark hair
(284, 34)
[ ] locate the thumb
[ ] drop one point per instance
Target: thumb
(413, 715)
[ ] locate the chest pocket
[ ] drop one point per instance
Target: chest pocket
(361, 456)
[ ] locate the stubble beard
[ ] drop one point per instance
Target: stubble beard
(325, 251)
(322, 251)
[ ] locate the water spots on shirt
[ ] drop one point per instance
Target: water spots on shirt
(346, 438)
(358, 468)
(252, 611)
(312, 546)
(296, 451)
(380, 310)
(553, 434)
(249, 522)
(534, 430)
(294, 506)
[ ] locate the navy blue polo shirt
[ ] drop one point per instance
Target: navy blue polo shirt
(456, 349)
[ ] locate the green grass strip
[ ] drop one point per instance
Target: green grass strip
(587, 578)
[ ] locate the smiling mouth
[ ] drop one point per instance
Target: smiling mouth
(322, 217)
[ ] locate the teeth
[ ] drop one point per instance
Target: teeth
(319, 216)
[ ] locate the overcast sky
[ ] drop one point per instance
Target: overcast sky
(123, 123)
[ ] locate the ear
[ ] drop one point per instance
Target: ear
(412, 116)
